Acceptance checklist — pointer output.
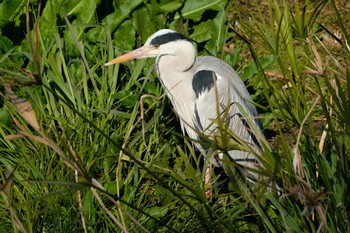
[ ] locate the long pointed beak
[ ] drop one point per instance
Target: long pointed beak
(135, 54)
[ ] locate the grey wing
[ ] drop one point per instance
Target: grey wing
(219, 92)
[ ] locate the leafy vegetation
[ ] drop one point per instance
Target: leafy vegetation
(88, 148)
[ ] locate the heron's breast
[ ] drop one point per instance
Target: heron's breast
(182, 97)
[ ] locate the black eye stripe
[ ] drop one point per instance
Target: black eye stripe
(163, 39)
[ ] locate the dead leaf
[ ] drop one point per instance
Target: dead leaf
(13, 137)
(297, 164)
(23, 107)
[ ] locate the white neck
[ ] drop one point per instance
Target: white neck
(175, 73)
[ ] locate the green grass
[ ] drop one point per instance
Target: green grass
(98, 149)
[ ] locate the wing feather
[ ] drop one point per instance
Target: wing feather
(224, 99)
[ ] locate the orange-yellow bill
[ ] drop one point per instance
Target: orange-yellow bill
(135, 54)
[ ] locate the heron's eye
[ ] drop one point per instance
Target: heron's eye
(156, 46)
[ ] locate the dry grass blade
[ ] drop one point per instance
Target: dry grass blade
(323, 139)
(319, 67)
(297, 166)
(34, 45)
(23, 107)
(7, 184)
(5, 194)
(121, 226)
(41, 139)
(79, 199)
(13, 137)
(321, 212)
(117, 204)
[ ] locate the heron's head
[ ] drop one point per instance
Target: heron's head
(164, 42)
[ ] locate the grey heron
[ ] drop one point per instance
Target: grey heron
(202, 90)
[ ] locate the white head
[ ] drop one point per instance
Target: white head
(178, 49)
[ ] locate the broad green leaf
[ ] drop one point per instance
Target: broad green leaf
(202, 32)
(85, 13)
(194, 9)
(113, 20)
(88, 207)
(5, 43)
(218, 32)
(143, 24)
(127, 98)
(156, 211)
(48, 21)
(73, 7)
(124, 37)
(252, 69)
(171, 6)
(9, 10)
